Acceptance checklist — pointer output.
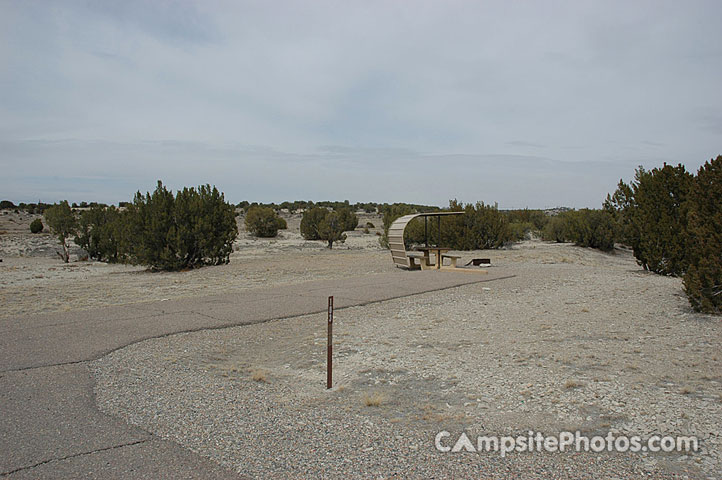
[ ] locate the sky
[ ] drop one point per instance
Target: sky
(526, 104)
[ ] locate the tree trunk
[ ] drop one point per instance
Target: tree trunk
(66, 252)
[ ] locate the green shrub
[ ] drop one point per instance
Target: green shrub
(6, 205)
(36, 226)
(101, 232)
(63, 224)
(621, 206)
(590, 228)
(536, 218)
(319, 223)
(310, 222)
(585, 227)
(703, 279)
(414, 233)
(263, 222)
(520, 230)
(659, 221)
(331, 228)
(391, 213)
(480, 227)
(192, 229)
(348, 219)
(556, 230)
(370, 225)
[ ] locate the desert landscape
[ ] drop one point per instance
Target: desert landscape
(34, 280)
(577, 339)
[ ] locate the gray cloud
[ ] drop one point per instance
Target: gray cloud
(365, 101)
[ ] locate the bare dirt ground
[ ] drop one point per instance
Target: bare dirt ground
(578, 340)
(34, 280)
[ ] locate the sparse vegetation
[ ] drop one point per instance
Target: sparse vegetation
(259, 375)
(311, 221)
(374, 399)
(321, 224)
(63, 224)
(36, 226)
(348, 220)
(555, 230)
(480, 227)
(102, 233)
(332, 227)
(263, 222)
(570, 384)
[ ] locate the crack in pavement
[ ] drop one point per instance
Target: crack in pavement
(154, 313)
(361, 303)
(97, 450)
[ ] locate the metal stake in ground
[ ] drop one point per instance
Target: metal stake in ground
(329, 348)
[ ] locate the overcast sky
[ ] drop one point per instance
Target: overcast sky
(536, 104)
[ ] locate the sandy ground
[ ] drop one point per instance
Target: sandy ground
(34, 280)
(578, 340)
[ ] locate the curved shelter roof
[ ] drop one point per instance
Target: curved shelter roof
(396, 237)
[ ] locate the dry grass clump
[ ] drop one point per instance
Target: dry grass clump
(259, 375)
(570, 384)
(374, 399)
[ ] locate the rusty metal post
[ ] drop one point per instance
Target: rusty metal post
(329, 347)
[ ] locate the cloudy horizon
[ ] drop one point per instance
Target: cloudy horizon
(526, 104)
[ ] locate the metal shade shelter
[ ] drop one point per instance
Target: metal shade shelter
(396, 236)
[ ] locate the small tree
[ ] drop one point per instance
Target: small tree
(331, 229)
(63, 224)
(194, 228)
(263, 222)
(659, 219)
(311, 222)
(621, 206)
(703, 280)
(36, 226)
(101, 233)
(348, 219)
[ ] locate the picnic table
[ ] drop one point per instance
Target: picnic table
(438, 253)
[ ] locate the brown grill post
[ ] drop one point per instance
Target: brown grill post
(329, 348)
